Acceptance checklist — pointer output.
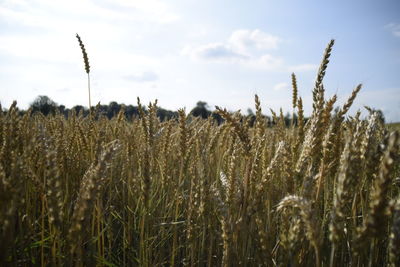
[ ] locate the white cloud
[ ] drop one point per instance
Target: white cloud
(244, 47)
(303, 67)
(145, 76)
(246, 40)
(198, 32)
(55, 23)
(49, 14)
(155, 10)
(221, 53)
(394, 28)
(213, 51)
(43, 48)
(281, 86)
(265, 62)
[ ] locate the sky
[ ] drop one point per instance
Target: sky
(184, 51)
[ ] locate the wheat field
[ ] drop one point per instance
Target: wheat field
(89, 191)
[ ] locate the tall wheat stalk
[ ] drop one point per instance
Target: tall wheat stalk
(87, 66)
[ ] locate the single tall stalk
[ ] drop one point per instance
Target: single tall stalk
(87, 66)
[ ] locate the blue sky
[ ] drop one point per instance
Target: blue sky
(183, 51)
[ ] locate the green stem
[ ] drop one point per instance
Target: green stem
(90, 103)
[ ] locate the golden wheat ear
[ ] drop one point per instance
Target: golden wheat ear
(85, 56)
(86, 62)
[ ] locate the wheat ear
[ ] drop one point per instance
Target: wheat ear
(306, 212)
(295, 90)
(87, 66)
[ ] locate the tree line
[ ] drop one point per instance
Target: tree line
(43, 104)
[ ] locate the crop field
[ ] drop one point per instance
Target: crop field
(92, 191)
(393, 126)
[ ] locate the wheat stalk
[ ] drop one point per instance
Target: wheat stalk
(87, 66)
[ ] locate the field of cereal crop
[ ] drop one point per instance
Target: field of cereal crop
(88, 190)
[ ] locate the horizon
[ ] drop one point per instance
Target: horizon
(182, 52)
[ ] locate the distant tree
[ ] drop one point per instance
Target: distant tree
(131, 111)
(78, 109)
(201, 110)
(164, 114)
(44, 105)
(250, 117)
(378, 112)
(113, 109)
(288, 119)
(250, 112)
(102, 110)
(381, 117)
(62, 110)
(217, 118)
